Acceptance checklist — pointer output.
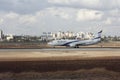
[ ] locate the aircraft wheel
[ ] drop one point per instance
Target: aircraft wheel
(76, 47)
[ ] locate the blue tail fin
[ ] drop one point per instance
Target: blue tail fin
(99, 35)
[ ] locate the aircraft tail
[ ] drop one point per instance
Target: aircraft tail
(99, 35)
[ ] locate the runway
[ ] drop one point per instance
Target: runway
(60, 49)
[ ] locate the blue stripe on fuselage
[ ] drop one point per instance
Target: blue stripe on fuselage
(97, 37)
(67, 44)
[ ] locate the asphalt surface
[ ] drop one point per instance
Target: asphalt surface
(60, 49)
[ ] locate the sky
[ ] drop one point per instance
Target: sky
(33, 17)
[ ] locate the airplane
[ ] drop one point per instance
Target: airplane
(76, 43)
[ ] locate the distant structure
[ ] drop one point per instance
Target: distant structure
(9, 37)
(1, 35)
(66, 35)
(47, 36)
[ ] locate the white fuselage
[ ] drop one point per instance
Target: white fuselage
(76, 43)
(73, 43)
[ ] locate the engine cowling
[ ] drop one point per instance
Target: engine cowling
(72, 45)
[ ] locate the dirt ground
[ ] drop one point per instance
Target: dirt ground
(57, 55)
(89, 69)
(63, 65)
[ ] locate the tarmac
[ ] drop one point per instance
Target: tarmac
(60, 49)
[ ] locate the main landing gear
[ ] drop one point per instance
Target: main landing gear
(76, 46)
